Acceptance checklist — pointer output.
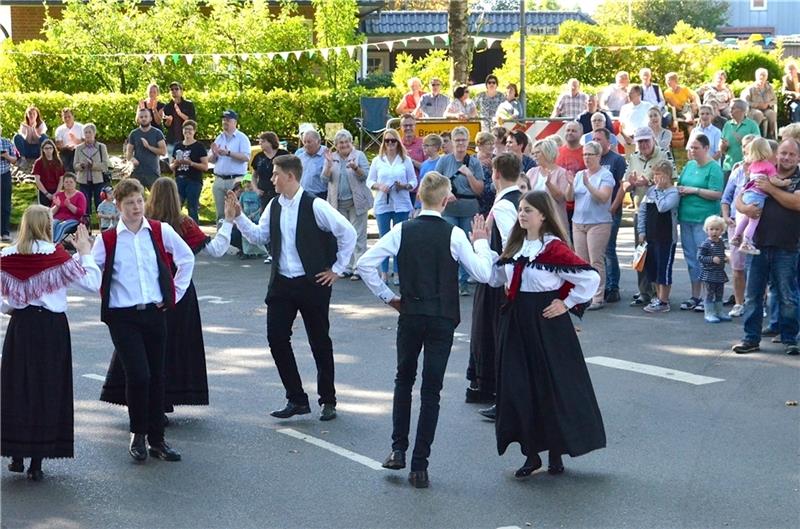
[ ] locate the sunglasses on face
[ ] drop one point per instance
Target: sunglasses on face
(492, 82)
(436, 84)
(390, 141)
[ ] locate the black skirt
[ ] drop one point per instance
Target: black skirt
(185, 364)
(545, 399)
(483, 336)
(36, 377)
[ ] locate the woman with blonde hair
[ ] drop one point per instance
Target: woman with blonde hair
(36, 369)
(185, 365)
(410, 101)
(547, 176)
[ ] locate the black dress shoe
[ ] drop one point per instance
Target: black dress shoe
(16, 465)
(35, 474)
(612, 296)
(328, 412)
(164, 452)
(531, 465)
(396, 460)
(477, 396)
(138, 447)
(419, 479)
(489, 413)
(555, 465)
(290, 410)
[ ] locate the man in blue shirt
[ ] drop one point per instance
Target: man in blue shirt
(312, 155)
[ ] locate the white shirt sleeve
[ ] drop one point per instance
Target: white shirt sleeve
(411, 175)
(387, 246)
(331, 220)
(505, 216)
(585, 285)
(498, 277)
(182, 257)
(218, 246)
(91, 281)
(99, 252)
(255, 233)
(478, 262)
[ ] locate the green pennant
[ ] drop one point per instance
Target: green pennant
(587, 50)
(176, 57)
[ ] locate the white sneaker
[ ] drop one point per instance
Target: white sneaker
(736, 311)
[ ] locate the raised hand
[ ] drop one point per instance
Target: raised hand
(80, 240)
(479, 230)
(232, 207)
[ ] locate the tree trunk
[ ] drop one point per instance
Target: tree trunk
(460, 44)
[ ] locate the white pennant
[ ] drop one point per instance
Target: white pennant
(297, 55)
(351, 51)
(489, 42)
(337, 51)
(215, 58)
(270, 56)
(257, 56)
(189, 58)
(244, 56)
(161, 58)
(324, 52)
(148, 57)
(390, 45)
(284, 55)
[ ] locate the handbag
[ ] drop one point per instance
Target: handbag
(107, 173)
(639, 256)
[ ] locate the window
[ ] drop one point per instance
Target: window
(758, 5)
(378, 62)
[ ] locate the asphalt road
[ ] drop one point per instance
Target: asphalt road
(719, 454)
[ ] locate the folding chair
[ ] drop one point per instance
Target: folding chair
(330, 132)
(374, 114)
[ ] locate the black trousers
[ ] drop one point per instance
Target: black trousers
(287, 297)
(140, 338)
(435, 335)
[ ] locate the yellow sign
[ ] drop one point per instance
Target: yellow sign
(438, 126)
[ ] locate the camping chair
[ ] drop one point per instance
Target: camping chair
(374, 114)
(330, 132)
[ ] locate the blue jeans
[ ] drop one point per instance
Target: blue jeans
(780, 268)
(189, 191)
(27, 150)
(775, 309)
(692, 236)
(465, 223)
(612, 261)
(385, 223)
(92, 193)
(5, 203)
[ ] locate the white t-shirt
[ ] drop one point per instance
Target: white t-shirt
(62, 134)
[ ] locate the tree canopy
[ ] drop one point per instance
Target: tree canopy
(661, 16)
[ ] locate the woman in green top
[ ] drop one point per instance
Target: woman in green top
(700, 186)
(734, 130)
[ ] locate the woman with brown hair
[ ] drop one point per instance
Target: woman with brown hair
(185, 365)
(36, 386)
(48, 172)
(32, 133)
(545, 399)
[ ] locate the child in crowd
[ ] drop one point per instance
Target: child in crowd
(107, 211)
(711, 256)
(431, 145)
(523, 183)
(758, 154)
(707, 127)
(657, 224)
(251, 207)
(447, 144)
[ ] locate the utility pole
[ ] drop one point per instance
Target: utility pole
(523, 30)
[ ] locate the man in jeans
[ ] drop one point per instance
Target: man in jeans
(616, 165)
(8, 157)
(778, 238)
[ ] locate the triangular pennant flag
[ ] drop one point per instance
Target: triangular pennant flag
(270, 56)
(257, 56)
(175, 58)
(431, 39)
(324, 52)
(490, 42)
(189, 58)
(244, 56)
(284, 55)
(148, 57)
(351, 51)
(768, 40)
(446, 39)
(297, 55)
(652, 48)
(389, 45)
(215, 58)
(162, 57)
(587, 50)
(678, 48)
(311, 53)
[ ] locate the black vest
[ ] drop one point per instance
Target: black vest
(317, 248)
(496, 242)
(429, 284)
(658, 225)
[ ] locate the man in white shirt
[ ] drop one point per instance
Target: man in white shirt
(230, 154)
(633, 115)
(137, 287)
(311, 244)
(68, 136)
(614, 96)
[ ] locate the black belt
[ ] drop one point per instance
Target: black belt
(228, 176)
(140, 306)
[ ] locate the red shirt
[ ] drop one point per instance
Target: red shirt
(571, 160)
(78, 200)
(49, 174)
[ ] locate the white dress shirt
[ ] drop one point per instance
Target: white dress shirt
(134, 280)
(478, 262)
(328, 219)
(633, 116)
(383, 171)
(218, 246)
(585, 282)
(56, 301)
(504, 213)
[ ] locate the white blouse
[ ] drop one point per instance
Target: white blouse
(56, 301)
(585, 282)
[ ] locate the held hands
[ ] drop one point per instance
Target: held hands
(729, 221)
(555, 309)
(232, 207)
(394, 303)
(327, 278)
(479, 230)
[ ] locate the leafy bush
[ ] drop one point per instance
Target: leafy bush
(377, 80)
(436, 63)
(742, 64)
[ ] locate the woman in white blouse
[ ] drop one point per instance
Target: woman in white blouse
(36, 371)
(545, 399)
(392, 176)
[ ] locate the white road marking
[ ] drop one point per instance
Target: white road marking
(94, 377)
(656, 371)
(358, 458)
(214, 300)
(509, 527)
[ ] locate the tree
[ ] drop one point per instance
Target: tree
(460, 43)
(661, 16)
(336, 25)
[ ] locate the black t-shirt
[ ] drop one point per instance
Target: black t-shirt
(779, 227)
(193, 152)
(262, 168)
(175, 131)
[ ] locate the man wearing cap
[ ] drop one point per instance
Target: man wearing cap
(177, 111)
(145, 144)
(434, 103)
(230, 153)
(639, 177)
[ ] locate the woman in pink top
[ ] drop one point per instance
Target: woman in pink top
(69, 207)
(547, 176)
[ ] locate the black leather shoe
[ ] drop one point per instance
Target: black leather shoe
(164, 452)
(328, 412)
(419, 479)
(35, 474)
(555, 465)
(396, 460)
(16, 465)
(476, 396)
(531, 465)
(290, 410)
(612, 296)
(489, 413)
(138, 447)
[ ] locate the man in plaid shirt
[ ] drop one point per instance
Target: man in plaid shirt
(570, 104)
(8, 156)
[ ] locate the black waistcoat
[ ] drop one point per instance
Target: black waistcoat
(496, 241)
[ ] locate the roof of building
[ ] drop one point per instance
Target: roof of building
(480, 23)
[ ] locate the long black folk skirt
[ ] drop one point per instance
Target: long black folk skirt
(36, 377)
(185, 366)
(545, 399)
(483, 337)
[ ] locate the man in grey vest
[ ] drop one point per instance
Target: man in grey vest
(428, 251)
(311, 244)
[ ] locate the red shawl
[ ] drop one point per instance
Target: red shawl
(25, 277)
(193, 235)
